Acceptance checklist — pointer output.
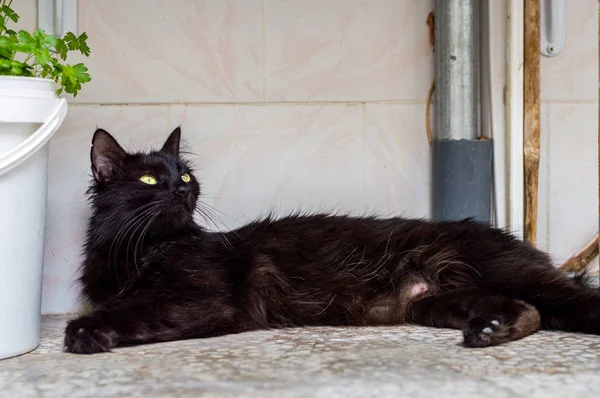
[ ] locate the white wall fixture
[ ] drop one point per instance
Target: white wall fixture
(57, 17)
(553, 27)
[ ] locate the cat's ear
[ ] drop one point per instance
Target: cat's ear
(171, 145)
(106, 155)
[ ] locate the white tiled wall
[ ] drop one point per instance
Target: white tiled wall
(165, 51)
(568, 212)
(313, 104)
(347, 50)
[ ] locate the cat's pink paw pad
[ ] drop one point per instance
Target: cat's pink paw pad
(485, 331)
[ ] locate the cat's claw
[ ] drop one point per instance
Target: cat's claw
(485, 331)
(86, 335)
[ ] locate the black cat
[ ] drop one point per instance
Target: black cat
(152, 274)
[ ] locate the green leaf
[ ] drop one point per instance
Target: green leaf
(72, 76)
(61, 48)
(71, 41)
(81, 73)
(42, 55)
(5, 64)
(10, 13)
(46, 71)
(50, 40)
(83, 47)
(14, 68)
(24, 48)
(39, 35)
(25, 38)
(10, 33)
(28, 71)
(25, 42)
(7, 47)
(56, 69)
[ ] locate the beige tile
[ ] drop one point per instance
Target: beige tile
(573, 177)
(398, 160)
(543, 235)
(27, 10)
(344, 50)
(251, 160)
(573, 74)
(157, 51)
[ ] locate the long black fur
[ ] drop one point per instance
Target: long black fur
(152, 274)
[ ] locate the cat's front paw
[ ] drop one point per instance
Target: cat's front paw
(87, 335)
(484, 331)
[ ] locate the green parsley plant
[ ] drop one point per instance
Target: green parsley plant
(43, 55)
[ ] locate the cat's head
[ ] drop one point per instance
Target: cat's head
(154, 190)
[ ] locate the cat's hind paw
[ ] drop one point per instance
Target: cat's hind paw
(484, 331)
(87, 335)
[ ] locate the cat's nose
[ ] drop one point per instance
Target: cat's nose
(181, 190)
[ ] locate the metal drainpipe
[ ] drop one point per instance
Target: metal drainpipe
(461, 161)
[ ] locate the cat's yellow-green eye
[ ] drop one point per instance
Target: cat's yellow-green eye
(186, 177)
(148, 179)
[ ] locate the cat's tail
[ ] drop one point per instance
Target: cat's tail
(584, 279)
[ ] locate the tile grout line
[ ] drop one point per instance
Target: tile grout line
(290, 103)
(255, 104)
(573, 102)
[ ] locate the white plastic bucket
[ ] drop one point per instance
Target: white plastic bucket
(30, 114)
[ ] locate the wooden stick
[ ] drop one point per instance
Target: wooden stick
(531, 113)
(428, 113)
(583, 257)
(431, 24)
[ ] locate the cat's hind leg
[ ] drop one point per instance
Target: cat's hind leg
(564, 303)
(485, 319)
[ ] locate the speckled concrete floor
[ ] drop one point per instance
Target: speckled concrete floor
(319, 362)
